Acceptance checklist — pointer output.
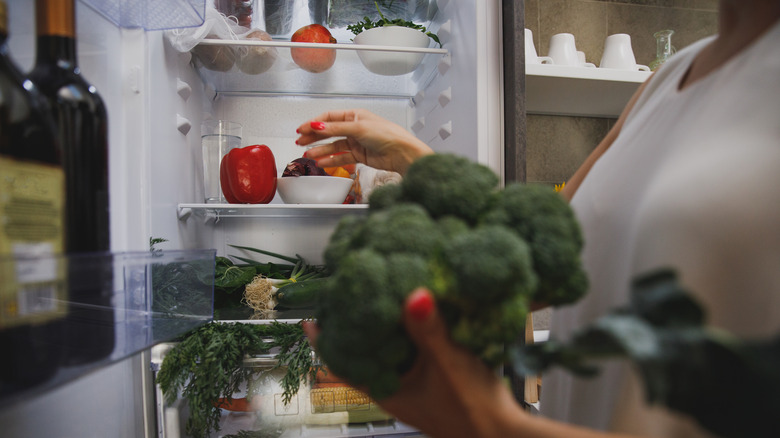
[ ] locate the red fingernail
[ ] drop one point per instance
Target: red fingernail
(298, 131)
(319, 126)
(296, 142)
(420, 304)
(305, 153)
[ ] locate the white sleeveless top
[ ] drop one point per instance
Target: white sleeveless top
(692, 182)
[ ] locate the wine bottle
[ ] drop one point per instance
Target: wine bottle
(32, 191)
(82, 126)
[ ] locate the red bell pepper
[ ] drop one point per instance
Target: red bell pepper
(248, 175)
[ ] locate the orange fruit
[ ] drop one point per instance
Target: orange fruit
(337, 171)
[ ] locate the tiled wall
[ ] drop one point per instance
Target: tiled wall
(557, 145)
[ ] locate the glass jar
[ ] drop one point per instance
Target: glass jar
(664, 48)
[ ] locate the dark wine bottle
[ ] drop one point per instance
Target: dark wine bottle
(32, 235)
(82, 125)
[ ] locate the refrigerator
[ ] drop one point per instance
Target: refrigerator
(464, 98)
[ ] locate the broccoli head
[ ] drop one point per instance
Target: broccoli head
(485, 253)
(448, 184)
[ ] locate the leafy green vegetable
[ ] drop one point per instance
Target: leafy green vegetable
(207, 364)
(367, 23)
(729, 386)
(231, 278)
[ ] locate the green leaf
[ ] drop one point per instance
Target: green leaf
(233, 278)
(268, 253)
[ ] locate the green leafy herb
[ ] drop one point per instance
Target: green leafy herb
(367, 23)
(729, 386)
(208, 364)
(154, 241)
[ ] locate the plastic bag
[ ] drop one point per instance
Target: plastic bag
(254, 60)
(249, 59)
(369, 178)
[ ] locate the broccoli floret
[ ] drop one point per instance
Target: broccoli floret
(384, 196)
(451, 226)
(402, 228)
(407, 272)
(344, 239)
(360, 311)
(543, 218)
(448, 184)
(489, 264)
(487, 333)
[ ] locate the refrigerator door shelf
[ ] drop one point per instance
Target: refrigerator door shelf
(112, 306)
(347, 77)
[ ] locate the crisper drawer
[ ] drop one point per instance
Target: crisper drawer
(324, 408)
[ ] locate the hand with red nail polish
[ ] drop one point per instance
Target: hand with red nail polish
(420, 304)
(449, 392)
(359, 136)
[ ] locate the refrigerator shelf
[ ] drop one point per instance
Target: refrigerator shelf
(217, 211)
(579, 91)
(347, 77)
(112, 306)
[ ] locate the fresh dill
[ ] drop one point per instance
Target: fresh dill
(367, 23)
(207, 364)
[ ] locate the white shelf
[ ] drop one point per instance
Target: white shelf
(218, 211)
(579, 91)
(347, 77)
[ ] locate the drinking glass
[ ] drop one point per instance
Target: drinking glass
(218, 137)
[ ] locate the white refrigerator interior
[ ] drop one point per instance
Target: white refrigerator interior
(156, 101)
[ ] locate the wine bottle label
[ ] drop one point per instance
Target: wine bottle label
(32, 269)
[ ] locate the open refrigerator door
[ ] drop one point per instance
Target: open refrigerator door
(158, 95)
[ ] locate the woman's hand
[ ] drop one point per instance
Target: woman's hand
(448, 392)
(365, 138)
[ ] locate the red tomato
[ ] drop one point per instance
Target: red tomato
(248, 175)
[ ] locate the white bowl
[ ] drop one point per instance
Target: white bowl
(313, 189)
(391, 63)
